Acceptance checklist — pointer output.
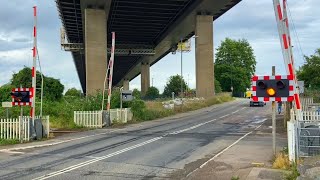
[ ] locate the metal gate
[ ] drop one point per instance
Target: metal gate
(308, 132)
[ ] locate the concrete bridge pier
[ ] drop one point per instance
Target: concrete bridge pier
(204, 56)
(145, 77)
(95, 49)
(125, 84)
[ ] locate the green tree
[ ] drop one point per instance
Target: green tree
(136, 94)
(310, 72)
(23, 78)
(152, 93)
(52, 89)
(174, 85)
(5, 91)
(73, 92)
(235, 65)
(217, 86)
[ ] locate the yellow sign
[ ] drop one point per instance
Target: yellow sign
(248, 94)
(185, 46)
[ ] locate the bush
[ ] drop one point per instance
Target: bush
(136, 94)
(73, 92)
(138, 108)
(152, 93)
(281, 161)
(5, 91)
(217, 86)
(313, 93)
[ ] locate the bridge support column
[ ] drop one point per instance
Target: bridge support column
(204, 56)
(95, 49)
(145, 77)
(125, 84)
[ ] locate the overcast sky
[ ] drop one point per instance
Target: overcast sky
(251, 19)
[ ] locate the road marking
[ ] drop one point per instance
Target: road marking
(235, 111)
(13, 150)
(224, 150)
(192, 127)
(224, 116)
(236, 133)
(96, 159)
(68, 169)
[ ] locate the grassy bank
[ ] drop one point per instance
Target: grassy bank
(61, 111)
(154, 109)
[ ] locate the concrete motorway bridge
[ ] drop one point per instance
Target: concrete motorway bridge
(146, 31)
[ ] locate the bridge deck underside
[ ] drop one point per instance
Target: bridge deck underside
(136, 23)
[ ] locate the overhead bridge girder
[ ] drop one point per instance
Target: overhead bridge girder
(133, 52)
(79, 47)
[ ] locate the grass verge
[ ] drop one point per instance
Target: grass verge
(281, 161)
(8, 141)
(155, 110)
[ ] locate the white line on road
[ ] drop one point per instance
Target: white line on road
(11, 152)
(224, 116)
(68, 169)
(224, 150)
(235, 111)
(192, 127)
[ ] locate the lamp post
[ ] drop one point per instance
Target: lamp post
(181, 73)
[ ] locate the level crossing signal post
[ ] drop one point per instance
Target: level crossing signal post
(22, 97)
(273, 88)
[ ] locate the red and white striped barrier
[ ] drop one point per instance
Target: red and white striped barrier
(34, 65)
(278, 77)
(284, 32)
(111, 63)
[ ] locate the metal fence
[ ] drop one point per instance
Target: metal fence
(91, 119)
(15, 128)
(308, 133)
(309, 140)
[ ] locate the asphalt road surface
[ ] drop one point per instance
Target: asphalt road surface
(164, 149)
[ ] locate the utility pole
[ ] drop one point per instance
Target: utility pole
(274, 118)
(152, 82)
(181, 67)
(7, 112)
(121, 104)
(188, 82)
(22, 123)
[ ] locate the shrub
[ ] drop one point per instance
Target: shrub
(136, 94)
(152, 93)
